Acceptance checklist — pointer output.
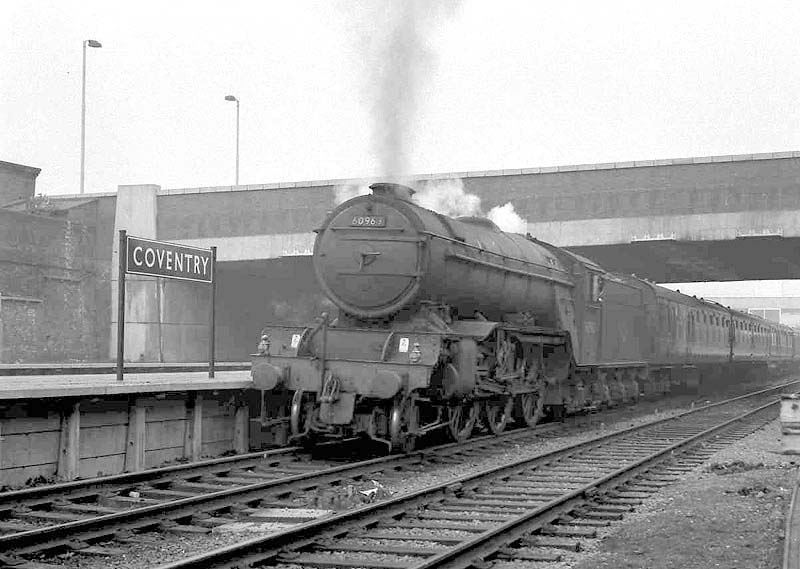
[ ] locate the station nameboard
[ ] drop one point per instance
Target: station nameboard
(169, 260)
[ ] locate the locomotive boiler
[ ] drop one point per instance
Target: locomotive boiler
(444, 322)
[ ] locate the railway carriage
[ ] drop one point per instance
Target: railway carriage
(443, 322)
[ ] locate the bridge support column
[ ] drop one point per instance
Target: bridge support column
(136, 213)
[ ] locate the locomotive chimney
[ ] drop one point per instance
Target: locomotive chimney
(398, 191)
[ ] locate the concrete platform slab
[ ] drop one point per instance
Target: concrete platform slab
(82, 368)
(82, 385)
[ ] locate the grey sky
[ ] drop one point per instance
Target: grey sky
(494, 85)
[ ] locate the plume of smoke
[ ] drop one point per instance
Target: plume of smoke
(507, 219)
(448, 198)
(404, 61)
(344, 192)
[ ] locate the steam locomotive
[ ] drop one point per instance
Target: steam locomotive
(444, 322)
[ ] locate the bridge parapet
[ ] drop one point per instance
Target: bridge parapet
(694, 227)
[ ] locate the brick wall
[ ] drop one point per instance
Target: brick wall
(97, 216)
(48, 286)
(17, 182)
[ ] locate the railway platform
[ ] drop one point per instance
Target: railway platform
(79, 421)
(44, 386)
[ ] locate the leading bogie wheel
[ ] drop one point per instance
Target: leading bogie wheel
(299, 418)
(403, 424)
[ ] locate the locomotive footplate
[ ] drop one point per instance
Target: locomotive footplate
(348, 381)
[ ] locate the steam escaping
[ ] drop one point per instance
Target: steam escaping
(345, 192)
(507, 219)
(448, 198)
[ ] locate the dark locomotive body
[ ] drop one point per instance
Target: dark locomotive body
(442, 320)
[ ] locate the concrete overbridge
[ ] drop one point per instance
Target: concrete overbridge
(717, 218)
(712, 218)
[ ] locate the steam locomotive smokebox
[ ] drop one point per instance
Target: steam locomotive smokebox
(790, 423)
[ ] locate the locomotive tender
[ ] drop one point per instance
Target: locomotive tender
(445, 320)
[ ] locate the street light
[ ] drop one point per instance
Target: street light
(232, 98)
(89, 43)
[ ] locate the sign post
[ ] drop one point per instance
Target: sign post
(147, 257)
(123, 257)
(212, 312)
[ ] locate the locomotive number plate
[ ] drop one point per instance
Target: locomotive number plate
(368, 221)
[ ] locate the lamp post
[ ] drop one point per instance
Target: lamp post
(232, 98)
(89, 43)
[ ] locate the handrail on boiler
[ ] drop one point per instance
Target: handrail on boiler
(465, 244)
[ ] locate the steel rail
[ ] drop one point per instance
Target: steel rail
(131, 477)
(38, 535)
(47, 538)
(503, 531)
(60, 488)
(36, 492)
(257, 549)
(68, 531)
(791, 545)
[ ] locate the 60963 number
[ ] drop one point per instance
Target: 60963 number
(368, 221)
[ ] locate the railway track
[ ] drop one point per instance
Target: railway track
(529, 510)
(89, 517)
(73, 516)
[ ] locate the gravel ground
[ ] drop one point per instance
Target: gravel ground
(157, 549)
(729, 513)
